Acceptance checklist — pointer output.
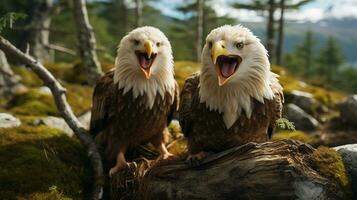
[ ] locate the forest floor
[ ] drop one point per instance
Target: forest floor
(39, 162)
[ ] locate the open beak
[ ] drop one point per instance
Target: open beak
(146, 58)
(226, 63)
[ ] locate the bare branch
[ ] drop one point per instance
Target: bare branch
(65, 110)
(61, 49)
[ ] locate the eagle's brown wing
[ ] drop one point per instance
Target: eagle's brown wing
(104, 97)
(175, 105)
(277, 106)
(186, 101)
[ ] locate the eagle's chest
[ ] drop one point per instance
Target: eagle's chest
(135, 118)
(212, 132)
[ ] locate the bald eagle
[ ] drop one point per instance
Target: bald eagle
(134, 103)
(234, 99)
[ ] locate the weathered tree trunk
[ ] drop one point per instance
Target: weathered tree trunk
(279, 50)
(38, 31)
(8, 80)
(271, 170)
(87, 43)
(270, 31)
(138, 12)
(199, 33)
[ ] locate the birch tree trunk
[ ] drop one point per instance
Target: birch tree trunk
(138, 12)
(279, 49)
(270, 31)
(38, 31)
(199, 33)
(87, 43)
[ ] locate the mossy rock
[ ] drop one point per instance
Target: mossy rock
(328, 162)
(36, 103)
(35, 158)
(33, 103)
(322, 95)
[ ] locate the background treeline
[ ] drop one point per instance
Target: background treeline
(50, 26)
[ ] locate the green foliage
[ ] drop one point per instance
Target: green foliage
(35, 158)
(324, 68)
(9, 19)
(285, 124)
(330, 58)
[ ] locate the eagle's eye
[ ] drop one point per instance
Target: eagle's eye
(210, 44)
(240, 45)
(158, 44)
(136, 42)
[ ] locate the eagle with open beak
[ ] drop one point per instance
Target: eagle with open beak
(134, 103)
(235, 99)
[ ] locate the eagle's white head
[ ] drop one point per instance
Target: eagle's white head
(144, 64)
(235, 69)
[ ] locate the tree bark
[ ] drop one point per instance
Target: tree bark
(8, 80)
(279, 50)
(38, 31)
(199, 32)
(271, 31)
(87, 43)
(271, 170)
(138, 12)
(65, 110)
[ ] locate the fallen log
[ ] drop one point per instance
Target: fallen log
(271, 170)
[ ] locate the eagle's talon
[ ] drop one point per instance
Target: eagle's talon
(116, 169)
(167, 156)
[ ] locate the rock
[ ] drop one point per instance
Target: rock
(85, 119)
(44, 90)
(349, 156)
(56, 122)
(301, 119)
(348, 110)
(8, 121)
(304, 100)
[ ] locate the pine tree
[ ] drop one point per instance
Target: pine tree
(330, 58)
(305, 52)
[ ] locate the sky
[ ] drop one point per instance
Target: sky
(313, 11)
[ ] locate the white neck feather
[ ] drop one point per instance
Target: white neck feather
(128, 76)
(235, 97)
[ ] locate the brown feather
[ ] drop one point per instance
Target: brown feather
(206, 130)
(119, 119)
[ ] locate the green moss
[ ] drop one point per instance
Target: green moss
(328, 163)
(33, 103)
(34, 158)
(183, 69)
(60, 70)
(295, 135)
(289, 83)
(79, 97)
(28, 77)
(36, 103)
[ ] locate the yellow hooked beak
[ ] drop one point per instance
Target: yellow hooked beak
(148, 48)
(219, 49)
